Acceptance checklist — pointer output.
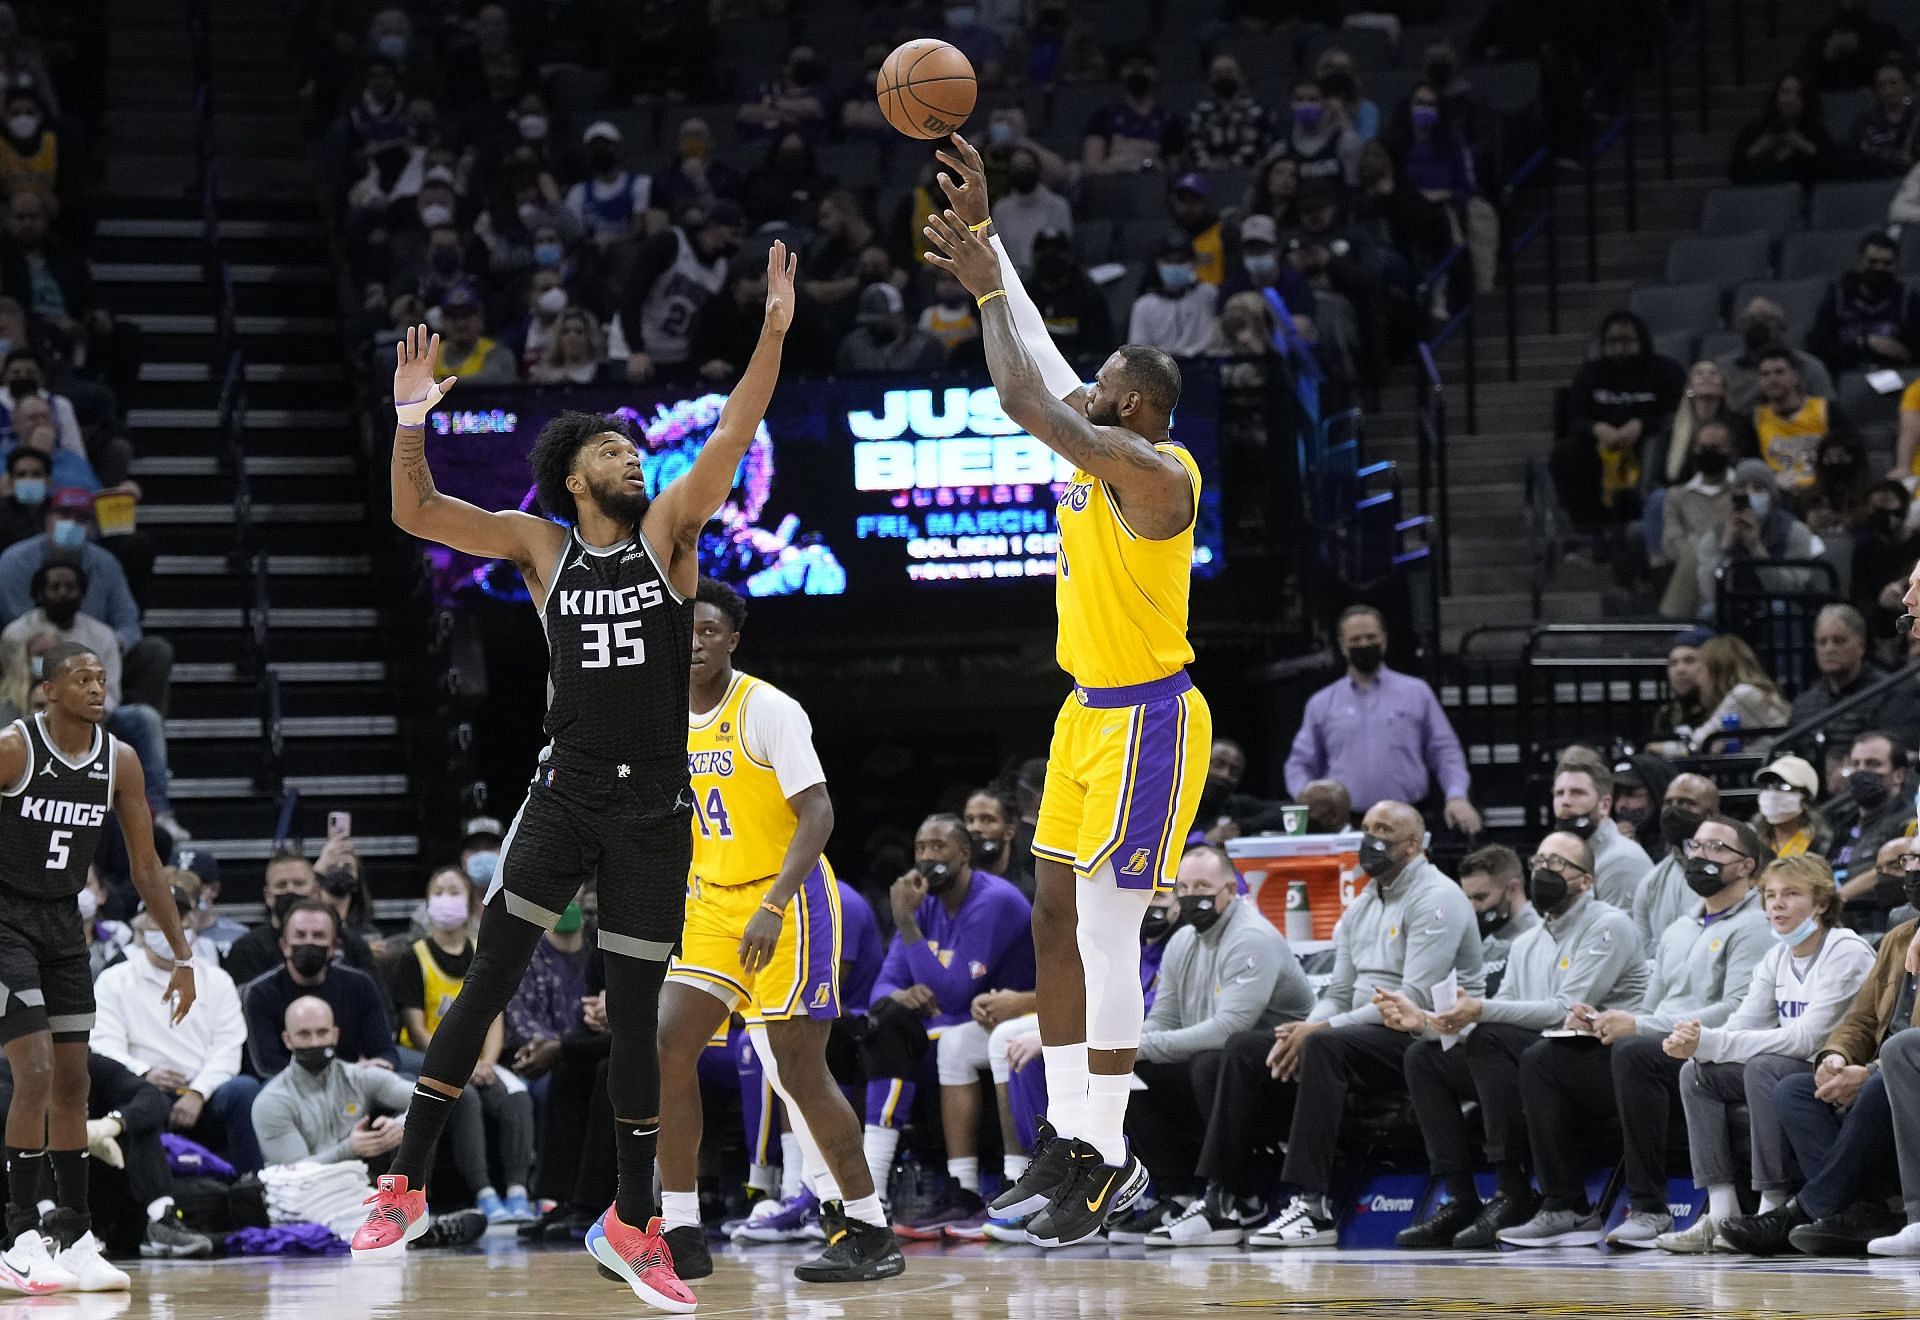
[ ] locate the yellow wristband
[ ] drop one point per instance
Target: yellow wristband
(778, 912)
(982, 225)
(986, 298)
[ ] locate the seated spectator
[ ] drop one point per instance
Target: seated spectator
(56, 285)
(1430, 153)
(833, 259)
(1135, 132)
(1027, 209)
(1900, 1068)
(1693, 510)
(1583, 807)
(1639, 783)
(1329, 806)
(195, 1063)
(1663, 894)
(69, 517)
(309, 934)
(1835, 509)
(1837, 1121)
(547, 1003)
(1880, 144)
(1840, 655)
(576, 1164)
(958, 932)
(579, 349)
(1260, 268)
(1801, 989)
(674, 274)
(1702, 973)
(884, 339)
(426, 981)
(1615, 406)
(1175, 309)
(343, 887)
(1411, 231)
(726, 328)
(1786, 815)
(1275, 188)
(1339, 79)
(34, 428)
(1759, 526)
(611, 202)
(327, 1110)
(1762, 326)
(465, 349)
(1869, 318)
(1310, 1067)
(695, 179)
(1583, 953)
(23, 511)
(1008, 133)
(1882, 557)
(1787, 143)
(950, 315)
(290, 878)
(1738, 694)
(31, 154)
(794, 102)
(1319, 140)
(1195, 215)
(1669, 459)
(1071, 304)
(1226, 971)
(786, 188)
(25, 377)
(1877, 806)
(1842, 53)
(530, 337)
(1228, 129)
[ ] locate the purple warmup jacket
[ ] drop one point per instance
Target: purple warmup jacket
(986, 945)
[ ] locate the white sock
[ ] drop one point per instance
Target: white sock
(790, 1166)
(1722, 1204)
(762, 1177)
(867, 1210)
(966, 1172)
(158, 1207)
(1772, 1201)
(484, 1193)
(880, 1143)
(1066, 1067)
(1106, 1116)
(516, 1190)
(1012, 1166)
(680, 1209)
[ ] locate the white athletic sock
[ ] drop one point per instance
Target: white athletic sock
(791, 1163)
(763, 1178)
(966, 1172)
(1066, 1067)
(1106, 1116)
(1011, 1167)
(680, 1209)
(158, 1207)
(1722, 1204)
(516, 1190)
(867, 1210)
(1772, 1201)
(880, 1143)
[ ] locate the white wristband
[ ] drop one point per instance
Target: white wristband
(414, 413)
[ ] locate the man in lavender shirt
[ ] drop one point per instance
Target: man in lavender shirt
(1380, 733)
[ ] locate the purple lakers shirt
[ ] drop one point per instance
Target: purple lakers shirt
(986, 945)
(861, 952)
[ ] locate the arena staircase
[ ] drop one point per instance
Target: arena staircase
(303, 461)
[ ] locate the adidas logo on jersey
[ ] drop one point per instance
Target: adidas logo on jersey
(50, 811)
(603, 600)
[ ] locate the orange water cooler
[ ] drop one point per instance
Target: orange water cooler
(1275, 865)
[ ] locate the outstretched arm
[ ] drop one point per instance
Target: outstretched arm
(686, 505)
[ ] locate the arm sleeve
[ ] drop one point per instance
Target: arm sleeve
(1445, 760)
(1308, 759)
(776, 731)
(1857, 1035)
(280, 1140)
(1248, 970)
(1061, 378)
(227, 1034)
(1797, 1037)
(1337, 998)
(110, 1036)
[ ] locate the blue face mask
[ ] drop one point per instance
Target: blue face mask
(548, 254)
(1804, 931)
(1177, 277)
(1000, 133)
(1264, 268)
(392, 45)
(481, 866)
(30, 490)
(69, 535)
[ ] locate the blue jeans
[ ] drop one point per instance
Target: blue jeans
(1838, 1150)
(141, 728)
(226, 1124)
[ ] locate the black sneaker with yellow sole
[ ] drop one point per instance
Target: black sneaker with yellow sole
(1090, 1195)
(856, 1252)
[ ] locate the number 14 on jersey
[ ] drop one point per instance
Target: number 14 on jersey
(712, 816)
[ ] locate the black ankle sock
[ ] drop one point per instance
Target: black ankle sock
(427, 1115)
(634, 1144)
(1460, 1187)
(1513, 1181)
(24, 1168)
(70, 1180)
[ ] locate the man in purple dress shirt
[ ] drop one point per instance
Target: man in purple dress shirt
(1380, 733)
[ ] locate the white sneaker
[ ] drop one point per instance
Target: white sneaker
(1904, 1243)
(1640, 1229)
(92, 1270)
(1296, 1227)
(1702, 1239)
(1197, 1226)
(28, 1267)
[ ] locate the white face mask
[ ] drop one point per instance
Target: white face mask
(157, 944)
(533, 127)
(1779, 805)
(1759, 501)
(23, 126)
(433, 215)
(552, 301)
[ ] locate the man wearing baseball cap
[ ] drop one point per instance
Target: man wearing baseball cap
(610, 201)
(465, 350)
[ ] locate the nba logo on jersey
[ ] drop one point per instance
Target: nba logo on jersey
(545, 777)
(1137, 864)
(821, 994)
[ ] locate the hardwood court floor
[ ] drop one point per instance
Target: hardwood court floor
(499, 1278)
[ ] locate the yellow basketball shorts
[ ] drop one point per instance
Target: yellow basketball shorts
(802, 980)
(1124, 777)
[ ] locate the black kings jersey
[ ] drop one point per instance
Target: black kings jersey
(50, 820)
(619, 641)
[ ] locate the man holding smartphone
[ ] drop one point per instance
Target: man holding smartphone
(1759, 526)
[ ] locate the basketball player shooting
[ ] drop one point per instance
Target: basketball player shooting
(1130, 745)
(614, 582)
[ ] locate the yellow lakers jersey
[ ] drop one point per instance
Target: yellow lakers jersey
(1790, 444)
(1122, 598)
(441, 991)
(741, 821)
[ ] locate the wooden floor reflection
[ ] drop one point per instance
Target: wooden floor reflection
(499, 1278)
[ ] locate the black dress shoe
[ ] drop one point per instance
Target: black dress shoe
(1765, 1234)
(1503, 1211)
(1847, 1233)
(1439, 1228)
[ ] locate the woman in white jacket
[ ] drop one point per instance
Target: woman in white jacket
(1799, 992)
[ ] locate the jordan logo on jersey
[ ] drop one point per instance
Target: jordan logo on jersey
(1137, 864)
(49, 811)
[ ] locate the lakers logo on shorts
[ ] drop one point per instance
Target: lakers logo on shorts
(1137, 863)
(822, 995)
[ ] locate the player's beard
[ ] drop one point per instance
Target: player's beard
(1107, 415)
(620, 504)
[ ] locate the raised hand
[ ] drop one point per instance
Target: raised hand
(780, 268)
(966, 186)
(963, 252)
(413, 385)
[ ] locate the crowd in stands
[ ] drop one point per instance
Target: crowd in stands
(73, 565)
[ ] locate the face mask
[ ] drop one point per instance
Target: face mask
(1052, 264)
(1366, 659)
(1911, 883)
(1677, 825)
(1759, 501)
(1547, 890)
(571, 919)
(1870, 788)
(447, 911)
(480, 866)
(23, 127)
(1705, 878)
(986, 851)
(69, 535)
(1779, 805)
(533, 127)
(1307, 116)
(1024, 181)
(528, 213)
(1580, 827)
(1263, 268)
(961, 16)
(1712, 463)
(1176, 276)
(1000, 133)
(1225, 88)
(314, 1058)
(1198, 911)
(939, 877)
(393, 46)
(61, 613)
(308, 959)
(806, 72)
(1426, 116)
(434, 214)
(156, 942)
(1155, 925)
(1886, 523)
(1804, 931)
(1138, 85)
(1439, 74)
(444, 260)
(1376, 856)
(89, 905)
(30, 490)
(552, 301)
(1489, 922)
(548, 254)
(1877, 280)
(791, 162)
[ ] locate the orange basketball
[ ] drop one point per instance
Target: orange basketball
(926, 88)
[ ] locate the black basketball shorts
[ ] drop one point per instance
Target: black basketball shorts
(46, 981)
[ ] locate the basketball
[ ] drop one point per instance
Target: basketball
(926, 88)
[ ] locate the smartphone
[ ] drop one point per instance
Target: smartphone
(339, 824)
(1741, 504)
